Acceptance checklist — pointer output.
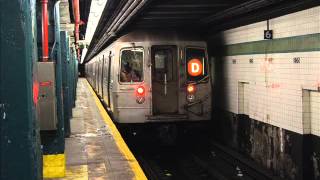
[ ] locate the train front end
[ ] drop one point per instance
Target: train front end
(163, 82)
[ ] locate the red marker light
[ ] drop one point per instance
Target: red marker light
(195, 67)
(35, 92)
(140, 90)
(191, 88)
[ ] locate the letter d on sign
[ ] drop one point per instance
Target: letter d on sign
(194, 67)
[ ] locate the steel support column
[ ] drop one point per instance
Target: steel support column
(20, 152)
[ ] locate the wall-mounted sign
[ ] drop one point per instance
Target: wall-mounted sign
(268, 34)
(195, 67)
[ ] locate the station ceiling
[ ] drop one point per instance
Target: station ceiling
(202, 16)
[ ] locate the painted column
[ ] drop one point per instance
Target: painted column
(20, 150)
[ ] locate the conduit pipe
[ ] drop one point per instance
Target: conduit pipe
(45, 33)
(76, 24)
(123, 9)
(124, 18)
(132, 7)
(122, 12)
(126, 10)
(77, 18)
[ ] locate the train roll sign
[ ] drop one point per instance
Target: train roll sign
(195, 67)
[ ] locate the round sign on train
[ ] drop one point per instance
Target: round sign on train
(195, 67)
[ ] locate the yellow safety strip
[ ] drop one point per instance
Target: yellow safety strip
(54, 166)
(138, 172)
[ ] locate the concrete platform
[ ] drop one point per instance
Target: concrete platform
(95, 149)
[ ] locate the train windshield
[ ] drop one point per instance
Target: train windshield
(196, 64)
(131, 65)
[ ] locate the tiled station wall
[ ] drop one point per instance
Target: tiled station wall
(276, 81)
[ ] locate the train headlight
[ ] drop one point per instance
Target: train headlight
(191, 89)
(191, 98)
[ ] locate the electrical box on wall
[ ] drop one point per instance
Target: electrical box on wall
(47, 96)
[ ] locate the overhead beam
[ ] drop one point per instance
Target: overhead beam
(170, 18)
(264, 14)
(239, 9)
(119, 22)
(178, 12)
(192, 5)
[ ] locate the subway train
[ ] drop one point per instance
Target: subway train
(153, 77)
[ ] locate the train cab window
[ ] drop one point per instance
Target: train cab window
(131, 65)
(163, 65)
(196, 63)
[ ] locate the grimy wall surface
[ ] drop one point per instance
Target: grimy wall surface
(267, 92)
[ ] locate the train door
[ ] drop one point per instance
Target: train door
(98, 76)
(109, 78)
(94, 74)
(164, 80)
(102, 76)
(96, 69)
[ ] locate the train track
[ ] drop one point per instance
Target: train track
(247, 167)
(169, 168)
(192, 158)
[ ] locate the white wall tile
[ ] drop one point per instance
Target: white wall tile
(296, 24)
(276, 94)
(275, 90)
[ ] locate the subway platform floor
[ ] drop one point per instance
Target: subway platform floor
(95, 149)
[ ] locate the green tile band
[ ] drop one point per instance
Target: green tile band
(304, 43)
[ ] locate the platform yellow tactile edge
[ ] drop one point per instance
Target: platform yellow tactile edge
(124, 149)
(54, 166)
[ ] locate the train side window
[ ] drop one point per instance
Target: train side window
(196, 64)
(131, 65)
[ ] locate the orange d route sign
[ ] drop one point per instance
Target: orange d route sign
(195, 67)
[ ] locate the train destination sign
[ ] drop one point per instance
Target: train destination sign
(195, 67)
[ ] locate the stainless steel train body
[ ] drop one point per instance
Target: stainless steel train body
(160, 86)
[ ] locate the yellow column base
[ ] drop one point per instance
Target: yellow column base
(54, 166)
